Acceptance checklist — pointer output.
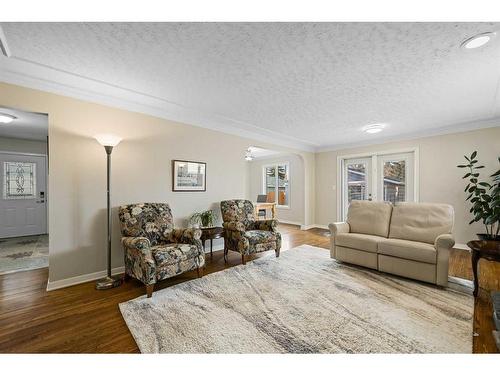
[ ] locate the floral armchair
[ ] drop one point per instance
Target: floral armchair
(244, 234)
(154, 250)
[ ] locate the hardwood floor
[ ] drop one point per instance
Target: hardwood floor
(80, 319)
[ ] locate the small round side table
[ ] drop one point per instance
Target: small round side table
(489, 250)
(211, 234)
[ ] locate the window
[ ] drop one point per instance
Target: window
(277, 184)
(380, 177)
(19, 180)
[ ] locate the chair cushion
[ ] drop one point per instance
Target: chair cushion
(173, 253)
(369, 217)
(259, 236)
(412, 250)
(358, 241)
(422, 222)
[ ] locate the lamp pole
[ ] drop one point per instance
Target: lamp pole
(108, 281)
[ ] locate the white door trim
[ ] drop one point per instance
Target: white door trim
(373, 155)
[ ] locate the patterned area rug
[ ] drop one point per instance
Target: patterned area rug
(302, 302)
(24, 253)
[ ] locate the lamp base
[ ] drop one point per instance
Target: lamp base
(108, 282)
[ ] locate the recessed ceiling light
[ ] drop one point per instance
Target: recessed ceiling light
(373, 128)
(477, 41)
(6, 118)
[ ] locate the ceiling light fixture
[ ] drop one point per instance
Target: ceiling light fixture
(478, 40)
(373, 128)
(248, 155)
(6, 118)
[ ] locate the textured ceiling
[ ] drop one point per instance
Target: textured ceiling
(316, 83)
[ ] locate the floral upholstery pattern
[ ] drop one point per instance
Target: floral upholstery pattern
(154, 250)
(243, 233)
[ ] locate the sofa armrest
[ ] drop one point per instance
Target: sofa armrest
(267, 225)
(444, 241)
(443, 244)
(139, 261)
(341, 227)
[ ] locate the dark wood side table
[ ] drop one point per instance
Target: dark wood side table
(211, 234)
(489, 250)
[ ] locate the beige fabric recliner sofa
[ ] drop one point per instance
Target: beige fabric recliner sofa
(408, 239)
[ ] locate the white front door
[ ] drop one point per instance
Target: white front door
(23, 200)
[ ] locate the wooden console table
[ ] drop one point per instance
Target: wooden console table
(489, 250)
(264, 206)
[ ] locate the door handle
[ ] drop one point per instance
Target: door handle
(41, 201)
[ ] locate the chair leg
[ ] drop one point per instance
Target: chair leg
(126, 277)
(225, 254)
(277, 253)
(243, 261)
(149, 290)
(199, 271)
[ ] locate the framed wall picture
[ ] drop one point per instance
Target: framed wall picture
(189, 175)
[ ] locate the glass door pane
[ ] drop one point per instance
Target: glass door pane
(396, 177)
(356, 181)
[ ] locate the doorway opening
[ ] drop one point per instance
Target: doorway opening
(24, 242)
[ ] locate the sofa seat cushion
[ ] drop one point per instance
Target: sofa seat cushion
(174, 253)
(412, 250)
(259, 236)
(358, 241)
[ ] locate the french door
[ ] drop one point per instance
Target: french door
(378, 177)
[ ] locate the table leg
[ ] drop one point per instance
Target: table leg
(475, 260)
(211, 245)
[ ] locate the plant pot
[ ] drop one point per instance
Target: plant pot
(488, 237)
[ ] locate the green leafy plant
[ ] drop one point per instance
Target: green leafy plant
(484, 196)
(204, 219)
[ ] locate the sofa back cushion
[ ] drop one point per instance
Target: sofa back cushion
(421, 222)
(369, 217)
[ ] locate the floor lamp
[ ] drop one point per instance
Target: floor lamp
(108, 141)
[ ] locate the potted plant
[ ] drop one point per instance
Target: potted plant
(484, 197)
(203, 219)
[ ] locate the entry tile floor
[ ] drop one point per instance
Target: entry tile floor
(24, 253)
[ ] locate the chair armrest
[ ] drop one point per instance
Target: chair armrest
(185, 235)
(444, 241)
(139, 261)
(340, 227)
(236, 226)
(139, 243)
(270, 225)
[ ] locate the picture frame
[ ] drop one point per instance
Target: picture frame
(189, 176)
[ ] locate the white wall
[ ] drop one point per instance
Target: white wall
(295, 213)
(141, 171)
(23, 145)
(439, 180)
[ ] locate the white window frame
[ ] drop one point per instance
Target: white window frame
(374, 165)
(264, 188)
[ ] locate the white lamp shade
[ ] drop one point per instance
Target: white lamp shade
(108, 139)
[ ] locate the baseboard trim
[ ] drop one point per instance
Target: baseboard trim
(64, 283)
(311, 226)
(290, 222)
